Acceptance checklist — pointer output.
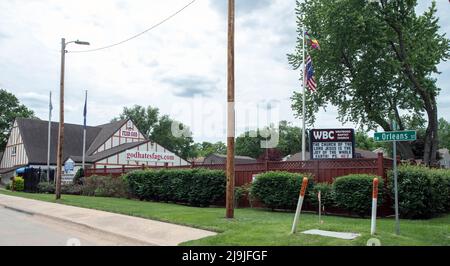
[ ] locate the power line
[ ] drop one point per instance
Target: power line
(139, 34)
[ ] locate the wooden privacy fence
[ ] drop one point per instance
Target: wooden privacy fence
(322, 170)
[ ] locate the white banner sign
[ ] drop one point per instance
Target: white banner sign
(332, 150)
(146, 156)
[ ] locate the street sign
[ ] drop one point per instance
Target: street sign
(409, 135)
(394, 136)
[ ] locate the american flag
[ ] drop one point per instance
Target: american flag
(309, 73)
(85, 111)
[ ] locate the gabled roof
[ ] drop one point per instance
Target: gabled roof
(107, 131)
(236, 157)
(108, 153)
(34, 134)
(220, 158)
(7, 170)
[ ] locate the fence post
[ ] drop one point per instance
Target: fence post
(266, 165)
(143, 166)
(373, 226)
(299, 204)
(123, 169)
(104, 169)
(166, 165)
(380, 165)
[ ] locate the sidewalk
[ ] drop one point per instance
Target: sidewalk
(139, 230)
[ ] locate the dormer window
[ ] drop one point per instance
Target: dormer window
(14, 151)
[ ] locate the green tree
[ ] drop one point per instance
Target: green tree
(444, 133)
(376, 61)
(249, 144)
(159, 129)
(206, 148)
(144, 118)
(289, 141)
(162, 134)
(363, 141)
(10, 109)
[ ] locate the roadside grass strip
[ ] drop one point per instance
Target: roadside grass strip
(259, 227)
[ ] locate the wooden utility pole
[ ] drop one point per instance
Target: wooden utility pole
(59, 157)
(231, 113)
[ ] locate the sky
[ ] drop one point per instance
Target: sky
(179, 67)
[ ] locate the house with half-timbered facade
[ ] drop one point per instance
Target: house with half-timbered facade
(113, 145)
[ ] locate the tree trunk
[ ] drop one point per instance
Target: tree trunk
(405, 150)
(431, 138)
(428, 97)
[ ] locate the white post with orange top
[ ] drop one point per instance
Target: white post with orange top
(373, 227)
(299, 204)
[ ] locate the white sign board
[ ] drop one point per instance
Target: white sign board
(67, 178)
(147, 156)
(332, 150)
(332, 144)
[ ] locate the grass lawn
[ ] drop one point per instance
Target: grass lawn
(264, 228)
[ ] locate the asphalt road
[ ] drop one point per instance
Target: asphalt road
(21, 229)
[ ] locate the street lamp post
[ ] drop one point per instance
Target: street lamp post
(59, 157)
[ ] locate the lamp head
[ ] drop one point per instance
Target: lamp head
(82, 43)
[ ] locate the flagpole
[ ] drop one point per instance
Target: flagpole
(84, 133)
(50, 107)
(304, 98)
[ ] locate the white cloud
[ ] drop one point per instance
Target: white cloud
(189, 47)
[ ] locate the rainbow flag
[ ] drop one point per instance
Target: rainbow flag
(312, 41)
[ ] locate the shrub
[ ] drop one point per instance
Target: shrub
(197, 187)
(354, 193)
(19, 183)
(104, 186)
(240, 193)
(327, 195)
(78, 179)
(71, 189)
(46, 188)
(423, 192)
(279, 190)
(8, 186)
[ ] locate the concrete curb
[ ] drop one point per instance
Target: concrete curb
(119, 236)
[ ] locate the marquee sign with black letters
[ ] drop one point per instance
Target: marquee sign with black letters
(332, 144)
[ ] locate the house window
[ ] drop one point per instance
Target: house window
(14, 151)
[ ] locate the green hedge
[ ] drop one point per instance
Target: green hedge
(104, 186)
(354, 193)
(279, 190)
(46, 188)
(66, 189)
(423, 192)
(197, 187)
